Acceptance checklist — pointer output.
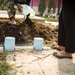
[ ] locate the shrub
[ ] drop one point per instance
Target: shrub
(4, 68)
(51, 5)
(42, 6)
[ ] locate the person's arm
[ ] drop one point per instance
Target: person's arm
(18, 5)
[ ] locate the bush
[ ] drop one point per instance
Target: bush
(51, 5)
(42, 6)
(4, 68)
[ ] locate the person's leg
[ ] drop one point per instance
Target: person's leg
(69, 23)
(28, 2)
(11, 12)
(60, 48)
(61, 33)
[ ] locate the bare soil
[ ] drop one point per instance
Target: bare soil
(33, 62)
(26, 30)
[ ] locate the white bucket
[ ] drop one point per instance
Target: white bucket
(38, 43)
(9, 43)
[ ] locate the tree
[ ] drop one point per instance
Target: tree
(42, 6)
(3, 2)
(51, 5)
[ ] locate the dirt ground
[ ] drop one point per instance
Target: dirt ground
(26, 31)
(31, 62)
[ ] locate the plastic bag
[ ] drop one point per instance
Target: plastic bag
(27, 9)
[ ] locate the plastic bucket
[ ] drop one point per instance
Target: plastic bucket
(38, 43)
(9, 43)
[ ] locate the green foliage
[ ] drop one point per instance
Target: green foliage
(3, 55)
(49, 19)
(2, 6)
(42, 6)
(4, 68)
(3, 3)
(51, 5)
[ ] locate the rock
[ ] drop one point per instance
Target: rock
(18, 65)
(12, 72)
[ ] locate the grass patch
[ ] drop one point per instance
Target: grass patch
(4, 67)
(3, 55)
(50, 19)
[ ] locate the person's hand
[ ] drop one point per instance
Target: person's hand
(19, 7)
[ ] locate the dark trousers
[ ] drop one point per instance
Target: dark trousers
(61, 30)
(28, 2)
(66, 32)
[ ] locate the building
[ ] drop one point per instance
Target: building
(35, 4)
